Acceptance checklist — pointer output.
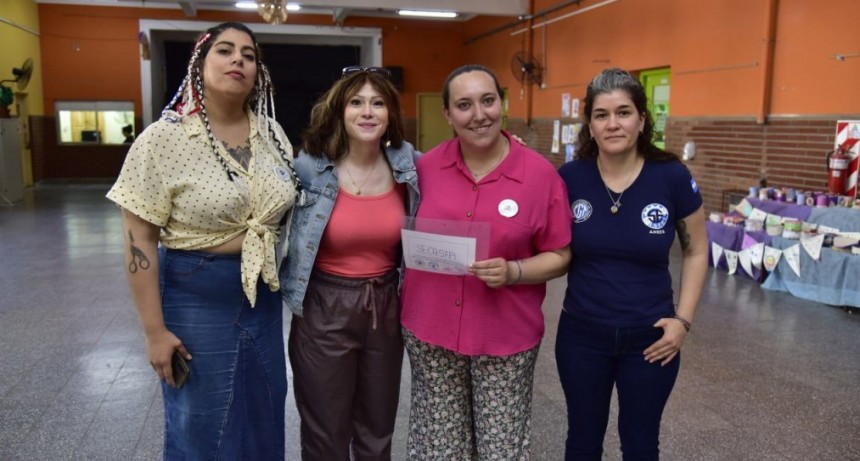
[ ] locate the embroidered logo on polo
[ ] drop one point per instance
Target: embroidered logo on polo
(655, 216)
(581, 210)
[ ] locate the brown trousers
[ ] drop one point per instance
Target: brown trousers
(346, 352)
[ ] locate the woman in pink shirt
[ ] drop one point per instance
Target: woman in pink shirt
(473, 339)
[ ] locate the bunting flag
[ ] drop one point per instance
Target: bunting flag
(758, 215)
(813, 246)
(757, 254)
(822, 229)
(746, 263)
(732, 261)
(744, 208)
(792, 256)
(771, 258)
(773, 220)
(716, 252)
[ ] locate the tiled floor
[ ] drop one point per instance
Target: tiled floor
(765, 376)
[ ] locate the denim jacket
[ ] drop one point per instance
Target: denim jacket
(311, 215)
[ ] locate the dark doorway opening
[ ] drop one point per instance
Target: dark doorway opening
(300, 74)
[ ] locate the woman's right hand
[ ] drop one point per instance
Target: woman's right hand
(159, 350)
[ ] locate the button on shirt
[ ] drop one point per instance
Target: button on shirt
(461, 313)
(172, 179)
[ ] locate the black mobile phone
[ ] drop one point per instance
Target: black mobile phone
(181, 370)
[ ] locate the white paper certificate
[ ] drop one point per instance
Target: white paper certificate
(443, 254)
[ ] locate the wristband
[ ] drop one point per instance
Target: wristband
(685, 322)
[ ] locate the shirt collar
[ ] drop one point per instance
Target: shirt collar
(512, 167)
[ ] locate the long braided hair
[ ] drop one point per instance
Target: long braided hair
(189, 98)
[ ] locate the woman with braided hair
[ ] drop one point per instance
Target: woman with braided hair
(203, 191)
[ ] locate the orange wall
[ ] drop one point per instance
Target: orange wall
(427, 51)
(715, 50)
(807, 78)
(92, 53)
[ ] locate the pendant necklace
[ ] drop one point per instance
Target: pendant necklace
(616, 203)
(356, 185)
(478, 174)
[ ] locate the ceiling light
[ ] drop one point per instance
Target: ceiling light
(251, 5)
(428, 14)
(272, 11)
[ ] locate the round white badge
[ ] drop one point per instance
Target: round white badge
(508, 208)
(282, 173)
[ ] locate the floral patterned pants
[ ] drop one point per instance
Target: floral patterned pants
(469, 408)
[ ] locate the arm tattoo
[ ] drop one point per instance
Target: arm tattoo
(138, 257)
(683, 235)
(241, 154)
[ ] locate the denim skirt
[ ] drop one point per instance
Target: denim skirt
(232, 406)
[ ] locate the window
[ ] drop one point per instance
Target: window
(95, 122)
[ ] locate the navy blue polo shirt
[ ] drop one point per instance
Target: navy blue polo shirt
(619, 275)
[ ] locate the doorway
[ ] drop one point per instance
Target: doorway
(297, 87)
(297, 74)
(432, 125)
(657, 83)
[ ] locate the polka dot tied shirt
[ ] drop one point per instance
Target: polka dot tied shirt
(171, 179)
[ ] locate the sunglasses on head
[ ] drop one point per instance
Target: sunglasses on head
(349, 70)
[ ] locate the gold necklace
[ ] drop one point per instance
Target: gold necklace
(616, 203)
(352, 180)
(477, 175)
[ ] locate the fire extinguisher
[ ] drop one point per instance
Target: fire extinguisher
(837, 166)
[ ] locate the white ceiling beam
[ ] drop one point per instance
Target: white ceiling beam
(479, 7)
(511, 8)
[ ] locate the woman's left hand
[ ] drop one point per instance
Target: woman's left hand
(667, 347)
(493, 272)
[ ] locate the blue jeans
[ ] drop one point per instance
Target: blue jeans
(232, 406)
(591, 359)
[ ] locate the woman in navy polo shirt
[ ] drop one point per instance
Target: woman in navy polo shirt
(619, 326)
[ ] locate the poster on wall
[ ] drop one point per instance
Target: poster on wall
(848, 138)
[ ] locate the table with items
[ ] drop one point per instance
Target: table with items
(809, 252)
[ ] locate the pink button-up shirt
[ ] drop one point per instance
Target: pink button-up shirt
(461, 313)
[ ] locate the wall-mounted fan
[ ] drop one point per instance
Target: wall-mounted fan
(22, 75)
(526, 68)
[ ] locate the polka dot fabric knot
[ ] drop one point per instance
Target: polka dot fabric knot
(258, 259)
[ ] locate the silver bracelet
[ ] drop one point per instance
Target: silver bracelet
(519, 271)
(685, 322)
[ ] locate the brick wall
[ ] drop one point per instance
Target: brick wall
(731, 153)
(736, 153)
(538, 136)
